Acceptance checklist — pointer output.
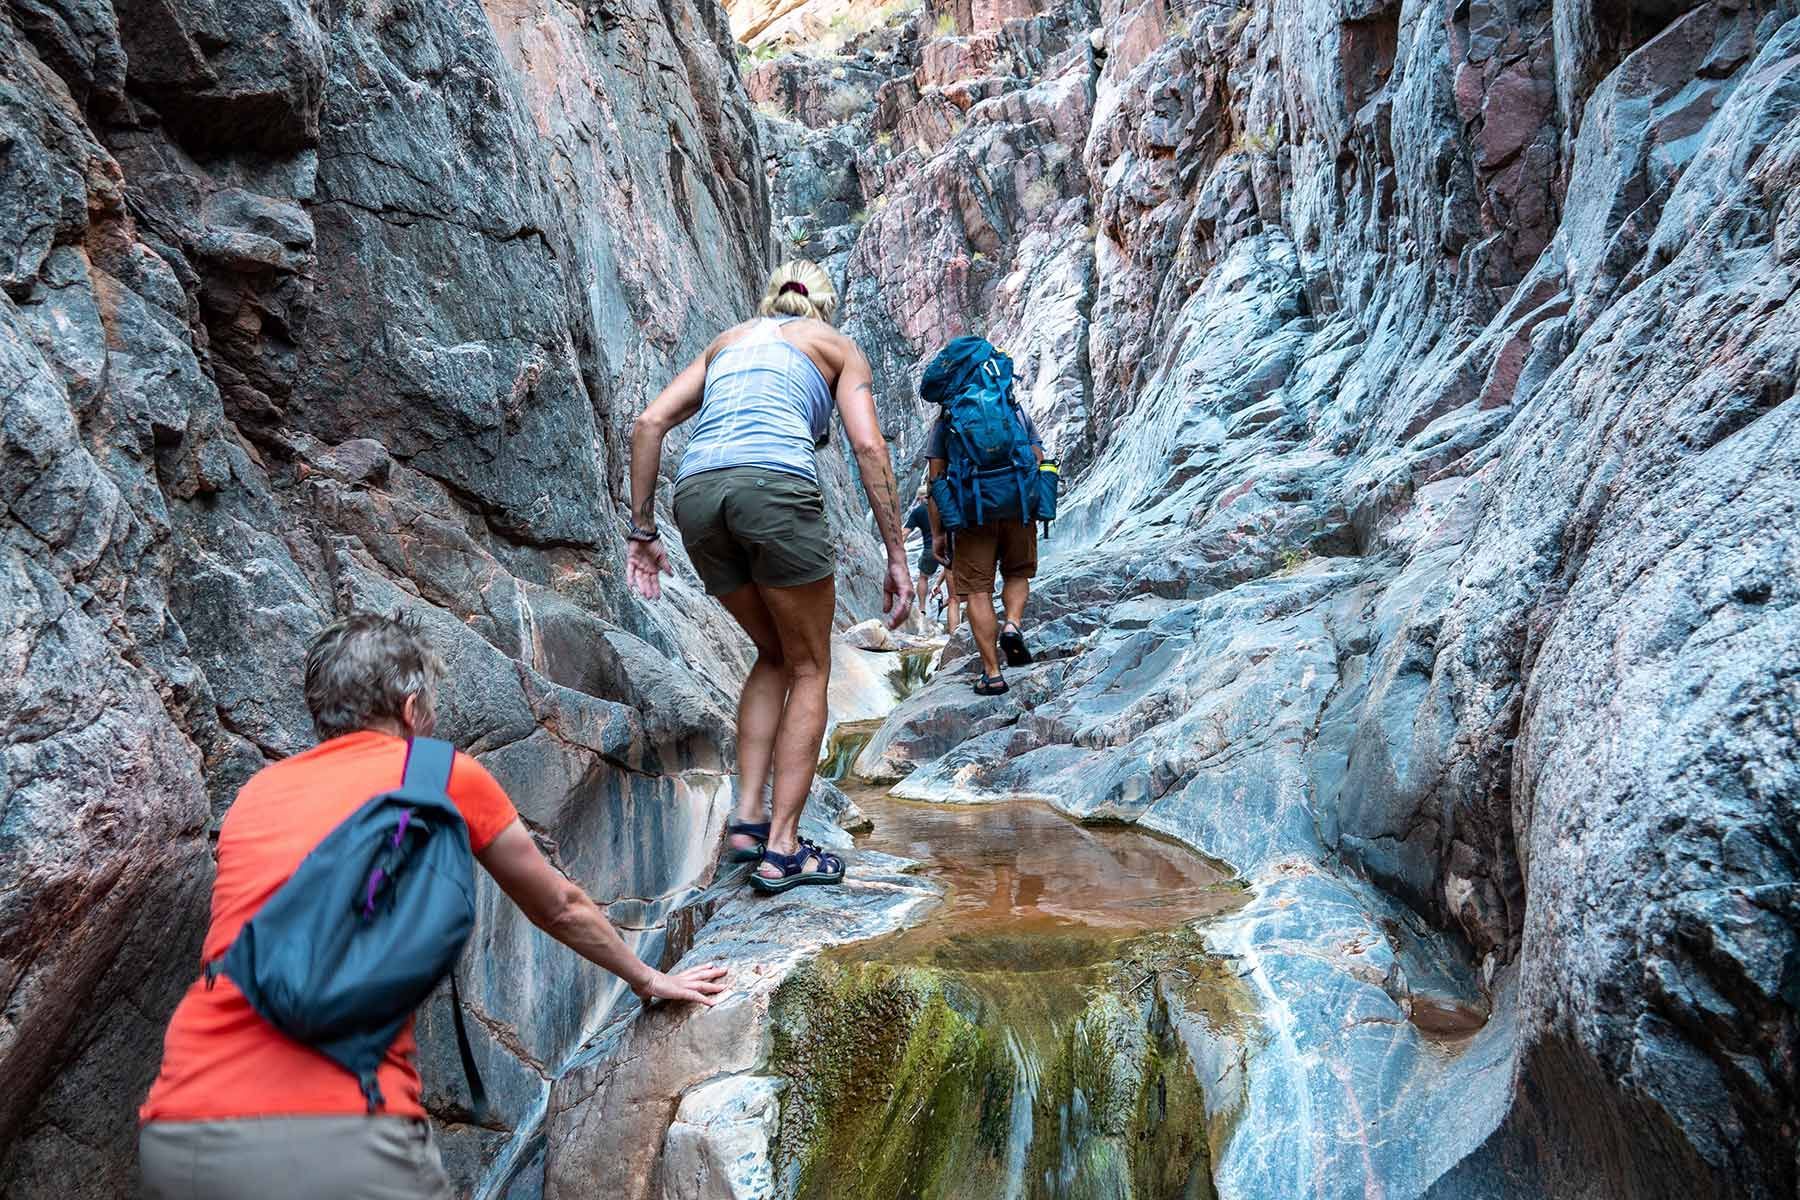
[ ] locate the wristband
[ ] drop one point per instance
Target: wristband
(637, 533)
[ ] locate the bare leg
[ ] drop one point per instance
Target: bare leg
(954, 611)
(1013, 595)
(759, 706)
(986, 630)
(803, 622)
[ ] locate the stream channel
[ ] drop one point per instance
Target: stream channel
(1023, 1040)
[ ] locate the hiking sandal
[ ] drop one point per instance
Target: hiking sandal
(991, 685)
(793, 870)
(758, 830)
(1012, 643)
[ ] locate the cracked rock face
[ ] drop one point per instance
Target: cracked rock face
(1426, 377)
(306, 308)
(1424, 374)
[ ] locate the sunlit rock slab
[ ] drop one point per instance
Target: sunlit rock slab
(609, 1115)
(718, 1146)
(1371, 1065)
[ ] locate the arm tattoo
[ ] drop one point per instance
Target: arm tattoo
(884, 499)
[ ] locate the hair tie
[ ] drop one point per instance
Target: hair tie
(792, 285)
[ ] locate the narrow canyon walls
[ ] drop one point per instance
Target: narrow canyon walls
(312, 307)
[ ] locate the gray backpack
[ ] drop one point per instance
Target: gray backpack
(367, 925)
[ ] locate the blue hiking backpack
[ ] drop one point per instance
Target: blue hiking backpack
(991, 470)
(367, 925)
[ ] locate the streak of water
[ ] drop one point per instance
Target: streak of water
(1024, 1111)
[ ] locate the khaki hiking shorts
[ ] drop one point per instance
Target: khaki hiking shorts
(752, 525)
(292, 1158)
(977, 549)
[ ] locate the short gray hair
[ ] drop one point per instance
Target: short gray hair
(361, 669)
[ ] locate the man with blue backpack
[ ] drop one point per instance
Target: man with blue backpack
(990, 484)
(344, 895)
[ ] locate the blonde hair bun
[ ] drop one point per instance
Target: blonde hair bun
(799, 288)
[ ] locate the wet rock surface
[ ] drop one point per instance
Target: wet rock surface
(609, 1112)
(1424, 375)
(304, 309)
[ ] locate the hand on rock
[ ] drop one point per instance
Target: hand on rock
(645, 564)
(702, 985)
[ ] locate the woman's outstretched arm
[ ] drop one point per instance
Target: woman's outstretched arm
(646, 561)
(559, 907)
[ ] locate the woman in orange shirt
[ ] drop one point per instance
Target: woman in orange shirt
(238, 1108)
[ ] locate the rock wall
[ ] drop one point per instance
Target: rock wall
(1427, 370)
(1428, 374)
(312, 307)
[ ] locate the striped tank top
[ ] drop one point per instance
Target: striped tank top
(766, 404)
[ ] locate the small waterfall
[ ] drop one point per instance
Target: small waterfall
(914, 671)
(847, 741)
(1026, 1076)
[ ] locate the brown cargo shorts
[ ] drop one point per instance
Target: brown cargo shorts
(749, 524)
(292, 1158)
(978, 549)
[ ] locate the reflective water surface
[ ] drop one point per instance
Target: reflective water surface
(1022, 868)
(1014, 1045)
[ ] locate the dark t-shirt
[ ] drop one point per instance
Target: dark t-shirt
(920, 519)
(940, 433)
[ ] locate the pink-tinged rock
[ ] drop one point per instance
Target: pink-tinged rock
(1135, 37)
(1517, 104)
(892, 100)
(946, 59)
(1468, 90)
(986, 15)
(931, 123)
(969, 17)
(1061, 103)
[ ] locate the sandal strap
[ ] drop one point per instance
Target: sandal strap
(749, 828)
(824, 856)
(794, 864)
(787, 864)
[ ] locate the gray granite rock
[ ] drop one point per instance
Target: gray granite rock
(1425, 381)
(1431, 527)
(304, 312)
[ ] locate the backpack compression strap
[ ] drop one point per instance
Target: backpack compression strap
(428, 765)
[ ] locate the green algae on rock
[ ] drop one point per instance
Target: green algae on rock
(939, 1081)
(884, 1076)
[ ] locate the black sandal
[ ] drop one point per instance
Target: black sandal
(1012, 642)
(991, 685)
(793, 869)
(758, 830)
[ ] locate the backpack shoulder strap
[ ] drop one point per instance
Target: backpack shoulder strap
(428, 764)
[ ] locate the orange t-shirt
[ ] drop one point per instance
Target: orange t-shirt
(222, 1060)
